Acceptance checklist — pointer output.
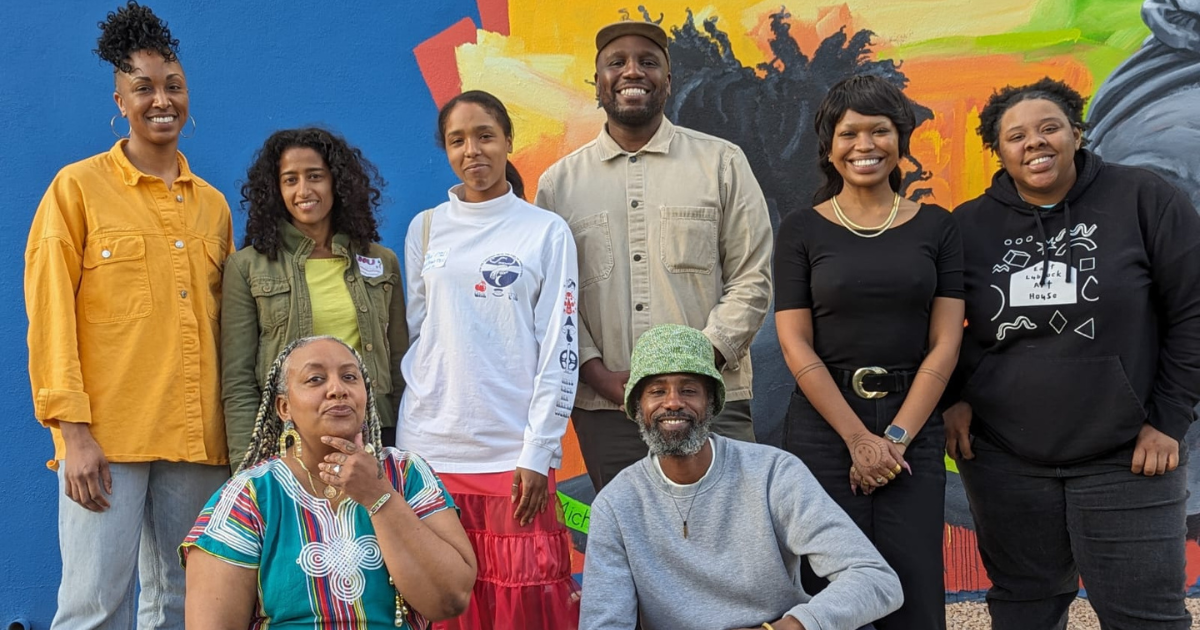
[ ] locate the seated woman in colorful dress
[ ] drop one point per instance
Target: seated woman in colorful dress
(322, 526)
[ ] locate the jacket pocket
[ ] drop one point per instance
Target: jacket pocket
(116, 280)
(688, 239)
(594, 242)
(1055, 410)
(214, 264)
(273, 298)
(379, 295)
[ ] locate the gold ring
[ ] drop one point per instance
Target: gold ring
(891, 475)
(897, 469)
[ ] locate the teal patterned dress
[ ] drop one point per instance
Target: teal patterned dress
(318, 567)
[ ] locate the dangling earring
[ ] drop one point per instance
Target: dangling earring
(112, 124)
(289, 432)
(192, 120)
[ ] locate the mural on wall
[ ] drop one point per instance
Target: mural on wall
(754, 72)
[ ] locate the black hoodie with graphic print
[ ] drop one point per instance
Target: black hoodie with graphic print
(1084, 318)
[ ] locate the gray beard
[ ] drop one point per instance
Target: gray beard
(662, 446)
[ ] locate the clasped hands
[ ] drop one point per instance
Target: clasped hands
(876, 461)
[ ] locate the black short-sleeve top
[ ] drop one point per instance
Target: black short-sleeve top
(870, 297)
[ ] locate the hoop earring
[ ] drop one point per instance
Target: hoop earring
(289, 432)
(193, 121)
(112, 124)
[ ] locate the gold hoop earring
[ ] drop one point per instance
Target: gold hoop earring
(112, 124)
(289, 432)
(192, 120)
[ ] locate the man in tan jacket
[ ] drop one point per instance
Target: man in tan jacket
(671, 227)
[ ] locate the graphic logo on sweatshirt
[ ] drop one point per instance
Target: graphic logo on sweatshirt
(1035, 278)
(499, 273)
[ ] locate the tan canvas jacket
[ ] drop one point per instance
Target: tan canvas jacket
(676, 232)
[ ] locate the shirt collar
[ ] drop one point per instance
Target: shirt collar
(660, 142)
(131, 175)
(293, 239)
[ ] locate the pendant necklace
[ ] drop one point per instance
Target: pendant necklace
(330, 492)
(864, 231)
(682, 517)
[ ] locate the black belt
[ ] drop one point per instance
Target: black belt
(872, 382)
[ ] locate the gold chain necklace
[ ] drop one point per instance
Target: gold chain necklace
(330, 492)
(860, 230)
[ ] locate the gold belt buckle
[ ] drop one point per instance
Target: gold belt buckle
(857, 379)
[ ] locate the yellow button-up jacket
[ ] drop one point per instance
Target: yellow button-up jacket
(123, 293)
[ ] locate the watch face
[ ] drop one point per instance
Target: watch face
(895, 433)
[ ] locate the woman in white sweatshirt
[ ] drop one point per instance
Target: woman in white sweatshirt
(492, 368)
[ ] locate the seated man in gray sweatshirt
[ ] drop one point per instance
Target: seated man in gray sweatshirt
(708, 532)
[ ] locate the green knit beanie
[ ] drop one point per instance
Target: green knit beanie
(672, 349)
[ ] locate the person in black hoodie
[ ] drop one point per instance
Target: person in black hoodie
(1079, 372)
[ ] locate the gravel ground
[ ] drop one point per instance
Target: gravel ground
(974, 616)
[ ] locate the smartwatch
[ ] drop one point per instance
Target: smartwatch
(897, 435)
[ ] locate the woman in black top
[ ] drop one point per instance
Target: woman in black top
(1081, 369)
(868, 301)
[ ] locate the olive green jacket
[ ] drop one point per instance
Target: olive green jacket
(266, 306)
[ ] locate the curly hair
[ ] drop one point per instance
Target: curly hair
(1068, 100)
(264, 441)
(356, 188)
(129, 29)
(496, 109)
(870, 96)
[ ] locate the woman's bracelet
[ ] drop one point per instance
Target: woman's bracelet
(768, 626)
(379, 503)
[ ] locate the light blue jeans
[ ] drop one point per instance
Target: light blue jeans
(152, 508)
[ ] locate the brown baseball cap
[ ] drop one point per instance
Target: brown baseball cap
(649, 30)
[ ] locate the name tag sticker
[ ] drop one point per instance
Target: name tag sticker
(433, 260)
(370, 267)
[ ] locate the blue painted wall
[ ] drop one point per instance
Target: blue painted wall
(252, 68)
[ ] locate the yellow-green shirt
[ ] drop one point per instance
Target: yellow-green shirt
(123, 294)
(332, 309)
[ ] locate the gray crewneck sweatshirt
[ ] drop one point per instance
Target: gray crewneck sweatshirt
(754, 515)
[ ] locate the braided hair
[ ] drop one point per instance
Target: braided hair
(129, 29)
(264, 441)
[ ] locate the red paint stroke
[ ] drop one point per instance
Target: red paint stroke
(438, 63)
(1192, 552)
(493, 16)
(964, 569)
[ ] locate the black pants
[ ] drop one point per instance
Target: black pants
(609, 441)
(1040, 527)
(905, 519)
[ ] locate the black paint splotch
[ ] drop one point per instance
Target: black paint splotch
(768, 110)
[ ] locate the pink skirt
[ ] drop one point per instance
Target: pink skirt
(524, 580)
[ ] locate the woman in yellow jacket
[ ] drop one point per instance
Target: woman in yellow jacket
(123, 293)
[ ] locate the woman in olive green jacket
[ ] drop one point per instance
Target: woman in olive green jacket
(310, 264)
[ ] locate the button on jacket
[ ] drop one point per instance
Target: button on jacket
(676, 232)
(267, 306)
(123, 293)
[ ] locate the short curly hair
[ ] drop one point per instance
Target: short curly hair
(356, 186)
(129, 29)
(1067, 98)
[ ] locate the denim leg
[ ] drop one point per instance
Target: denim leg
(1021, 525)
(99, 553)
(1128, 537)
(177, 492)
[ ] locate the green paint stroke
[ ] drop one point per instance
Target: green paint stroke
(576, 514)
